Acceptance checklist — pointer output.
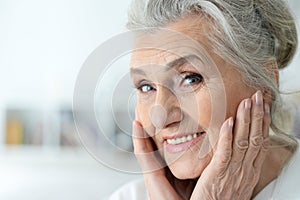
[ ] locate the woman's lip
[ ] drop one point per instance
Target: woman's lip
(176, 148)
(178, 135)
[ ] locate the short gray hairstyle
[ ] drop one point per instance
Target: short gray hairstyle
(248, 33)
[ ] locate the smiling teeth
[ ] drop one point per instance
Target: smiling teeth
(183, 139)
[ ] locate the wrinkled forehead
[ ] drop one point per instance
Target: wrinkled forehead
(153, 56)
(186, 36)
(163, 48)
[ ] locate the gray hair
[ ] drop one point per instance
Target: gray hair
(249, 33)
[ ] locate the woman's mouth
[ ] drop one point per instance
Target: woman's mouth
(176, 145)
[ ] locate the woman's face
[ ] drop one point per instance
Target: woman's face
(183, 100)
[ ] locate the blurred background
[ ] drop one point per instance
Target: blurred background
(43, 45)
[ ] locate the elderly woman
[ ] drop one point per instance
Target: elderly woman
(206, 73)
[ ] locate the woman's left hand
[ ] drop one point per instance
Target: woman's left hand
(235, 169)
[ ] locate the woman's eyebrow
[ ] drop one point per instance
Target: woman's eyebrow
(137, 71)
(180, 61)
(170, 65)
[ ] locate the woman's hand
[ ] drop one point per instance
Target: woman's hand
(235, 168)
(159, 181)
(156, 182)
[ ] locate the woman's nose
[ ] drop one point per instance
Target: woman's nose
(158, 116)
(166, 110)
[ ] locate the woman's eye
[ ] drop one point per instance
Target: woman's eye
(145, 88)
(192, 79)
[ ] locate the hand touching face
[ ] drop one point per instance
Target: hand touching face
(183, 101)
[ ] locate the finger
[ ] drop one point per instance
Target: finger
(222, 155)
(256, 128)
(144, 150)
(265, 146)
(256, 152)
(241, 132)
(152, 166)
(141, 142)
(266, 121)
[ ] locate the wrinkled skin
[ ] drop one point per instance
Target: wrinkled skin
(235, 166)
(233, 171)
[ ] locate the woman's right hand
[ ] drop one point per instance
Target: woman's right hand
(159, 180)
(154, 172)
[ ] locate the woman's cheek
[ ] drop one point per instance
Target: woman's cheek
(204, 110)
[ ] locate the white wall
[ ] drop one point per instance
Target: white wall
(289, 79)
(44, 43)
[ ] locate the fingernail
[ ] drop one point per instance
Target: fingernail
(248, 104)
(267, 108)
(258, 97)
(230, 122)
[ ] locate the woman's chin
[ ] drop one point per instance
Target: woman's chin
(186, 164)
(187, 170)
(183, 176)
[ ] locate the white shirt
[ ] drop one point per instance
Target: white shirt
(285, 187)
